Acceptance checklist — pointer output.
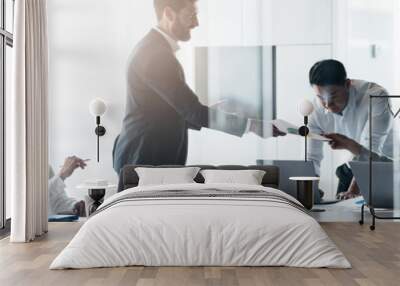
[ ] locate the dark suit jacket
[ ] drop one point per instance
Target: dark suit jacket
(160, 108)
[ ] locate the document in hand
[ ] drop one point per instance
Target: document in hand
(290, 128)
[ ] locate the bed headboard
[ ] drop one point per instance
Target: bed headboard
(128, 178)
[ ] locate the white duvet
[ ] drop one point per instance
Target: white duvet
(200, 232)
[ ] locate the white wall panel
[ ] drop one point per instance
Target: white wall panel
(289, 22)
(267, 22)
(89, 42)
(371, 42)
(252, 22)
(220, 23)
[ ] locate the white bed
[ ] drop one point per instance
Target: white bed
(201, 231)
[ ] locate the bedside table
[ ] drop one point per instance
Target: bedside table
(305, 192)
(96, 193)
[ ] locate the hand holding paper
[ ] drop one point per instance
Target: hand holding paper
(289, 128)
(279, 127)
(264, 129)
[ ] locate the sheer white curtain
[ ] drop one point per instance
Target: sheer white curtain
(29, 144)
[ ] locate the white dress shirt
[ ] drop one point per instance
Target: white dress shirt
(354, 121)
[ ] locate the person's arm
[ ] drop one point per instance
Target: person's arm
(162, 73)
(263, 128)
(59, 201)
(70, 165)
(341, 142)
(364, 156)
(193, 127)
(58, 198)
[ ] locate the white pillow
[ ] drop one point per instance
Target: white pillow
(244, 177)
(166, 176)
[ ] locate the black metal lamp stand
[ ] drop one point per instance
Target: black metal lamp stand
(304, 131)
(100, 131)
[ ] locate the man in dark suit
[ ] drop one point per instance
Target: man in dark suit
(160, 106)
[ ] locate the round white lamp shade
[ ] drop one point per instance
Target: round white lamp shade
(97, 107)
(306, 107)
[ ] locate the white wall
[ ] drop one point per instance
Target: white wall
(267, 22)
(359, 26)
(372, 25)
(90, 41)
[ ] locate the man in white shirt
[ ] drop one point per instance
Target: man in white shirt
(59, 201)
(342, 106)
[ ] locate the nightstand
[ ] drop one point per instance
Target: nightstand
(97, 194)
(305, 192)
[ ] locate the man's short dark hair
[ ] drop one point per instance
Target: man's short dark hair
(328, 72)
(176, 5)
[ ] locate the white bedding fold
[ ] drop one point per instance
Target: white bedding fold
(201, 231)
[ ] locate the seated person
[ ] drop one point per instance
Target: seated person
(342, 106)
(59, 201)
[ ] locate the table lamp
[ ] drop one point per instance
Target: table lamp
(305, 108)
(97, 108)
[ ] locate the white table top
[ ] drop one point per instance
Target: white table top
(304, 178)
(96, 187)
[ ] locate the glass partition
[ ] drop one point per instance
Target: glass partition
(238, 63)
(237, 80)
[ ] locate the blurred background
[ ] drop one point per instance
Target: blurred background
(255, 52)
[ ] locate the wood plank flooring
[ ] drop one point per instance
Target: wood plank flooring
(375, 257)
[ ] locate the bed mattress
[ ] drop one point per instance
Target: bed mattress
(201, 225)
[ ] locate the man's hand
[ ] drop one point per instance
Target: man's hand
(263, 129)
(352, 192)
(341, 142)
(222, 105)
(70, 165)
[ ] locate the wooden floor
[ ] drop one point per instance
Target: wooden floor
(375, 257)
